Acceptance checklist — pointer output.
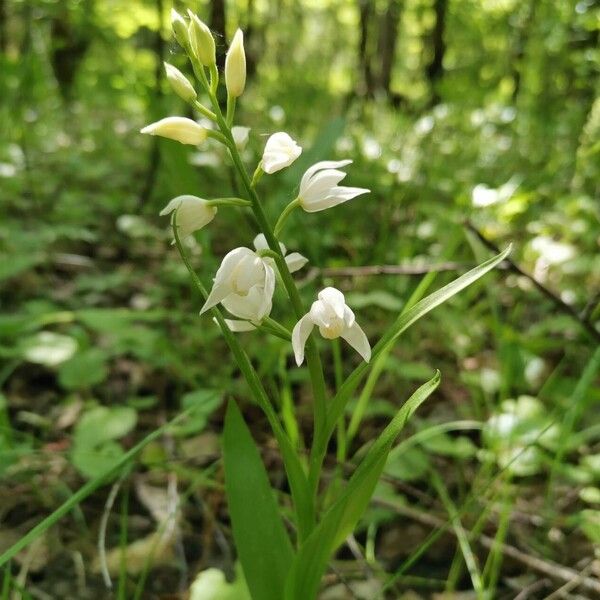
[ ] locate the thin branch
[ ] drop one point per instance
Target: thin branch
(583, 320)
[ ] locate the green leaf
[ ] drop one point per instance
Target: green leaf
(340, 520)
(262, 542)
(94, 447)
(85, 369)
(402, 323)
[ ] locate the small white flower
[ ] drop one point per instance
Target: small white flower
(334, 319)
(180, 129)
(235, 66)
(295, 261)
(193, 213)
(319, 187)
(240, 136)
(244, 285)
(280, 152)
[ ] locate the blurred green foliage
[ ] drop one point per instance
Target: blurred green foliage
(485, 111)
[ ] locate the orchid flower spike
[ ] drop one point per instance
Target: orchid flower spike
(280, 152)
(319, 187)
(333, 317)
(192, 214)
(295, 261)
(180, 129)
(244, 285)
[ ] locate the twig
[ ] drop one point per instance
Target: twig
(391, 269)
(526, 592)
(547, 567)
(571, 585)
(582, 319)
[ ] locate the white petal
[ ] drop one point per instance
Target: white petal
(295, 261)
(222, 286)
(324, 164)
(280, 152)
(333, 298)
(300, 334)
(260, 243)
(356, 337)
(337, 195)
(239, 326)
(321, 185)
(240, 136)
(218, 293)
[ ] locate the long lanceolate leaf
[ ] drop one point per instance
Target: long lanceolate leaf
(339, 521)
(402, 323)
(262, 542)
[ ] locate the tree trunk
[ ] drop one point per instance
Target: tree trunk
(3, 26)
(435, 69)
(366, 82)
(388, 35)
(217, 25)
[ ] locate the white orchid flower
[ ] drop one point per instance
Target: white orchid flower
(319, 187)
(280, 152)
(295, 261)
(334, 319)
(244, 285)
(193, 213)
(180, 83)
(240, 136)
(180, 129)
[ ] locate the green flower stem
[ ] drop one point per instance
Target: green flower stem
(216, 135)
(284, 215)
(231, 101)
(228, 202)
(204, 111)
(303, 505)
(313, 359)
(284, 332)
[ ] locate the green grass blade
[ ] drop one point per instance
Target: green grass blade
(341, 518)
(262, 542)
(402, 323)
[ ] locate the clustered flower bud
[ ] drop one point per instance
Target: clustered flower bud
(180, 83)
(180, 129)
(202, 42)
(235, 66)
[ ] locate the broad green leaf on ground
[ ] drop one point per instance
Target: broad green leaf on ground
(339, 521)
(262, 542)
(85, 369)
(95, 448)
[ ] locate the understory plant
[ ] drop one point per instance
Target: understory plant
(281, 559)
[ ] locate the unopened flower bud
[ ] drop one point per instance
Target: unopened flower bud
(179, 28)
(180, 129)
(202, 42)
(235, 66)
(180, 83)
(193, 213)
